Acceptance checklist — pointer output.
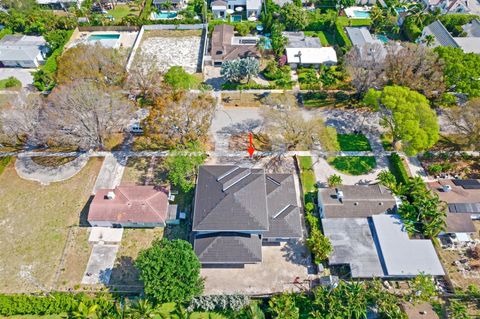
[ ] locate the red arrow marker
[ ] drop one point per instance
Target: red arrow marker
(250, 150)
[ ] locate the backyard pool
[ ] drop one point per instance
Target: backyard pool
(361, 14)
(107, 36)
(382, 38)
(108, 40)
(164, 15)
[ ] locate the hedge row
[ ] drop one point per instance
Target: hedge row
(55, 303)
(397, 168)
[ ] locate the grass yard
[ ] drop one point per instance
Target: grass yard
(353, 142)
(353, 165)
(122, 10)
(308, 178)
(322, 35)
(321, 99)
(137, 169)
(35, 220)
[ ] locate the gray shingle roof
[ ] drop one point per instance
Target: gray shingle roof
(441, 34)
(299, 40)
(360, 36)
(228, 248)
(358, 201)
(230, 198)
(21, 48)
(283, 212)
(460, 223)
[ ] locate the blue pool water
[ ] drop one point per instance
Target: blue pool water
(164, 15)
(98, 37)
(235, 18)
(361, 14)
(382, 38)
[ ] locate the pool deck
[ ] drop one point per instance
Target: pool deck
(126, 39)
(350, 12)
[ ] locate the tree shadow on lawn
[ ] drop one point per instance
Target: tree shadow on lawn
(124, 273)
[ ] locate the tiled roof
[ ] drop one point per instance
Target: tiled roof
(228, 248)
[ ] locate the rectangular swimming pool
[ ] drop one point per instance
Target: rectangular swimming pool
(106, 36)
(236, 18)
(361, 14)
(382, 38)
(164, 15)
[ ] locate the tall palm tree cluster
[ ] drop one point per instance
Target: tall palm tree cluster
(421, 211)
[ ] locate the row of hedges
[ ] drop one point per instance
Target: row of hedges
(55, 303)
(398, 169)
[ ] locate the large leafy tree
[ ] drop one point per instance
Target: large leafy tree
(239, 69)
(170, 271)
(461, 70)
(179, 79)
(182, 164)
(293, 17)
(408, 117)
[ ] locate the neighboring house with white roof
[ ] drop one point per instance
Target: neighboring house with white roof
(448, 6)
(369, 238)
(60, 4)
(22, 51)
(307, 51)
(251, 7)
(469, 44)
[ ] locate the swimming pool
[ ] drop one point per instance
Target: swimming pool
(235, 18)
(106, 36)
(361, 14)
(164, 15)
(382, 38)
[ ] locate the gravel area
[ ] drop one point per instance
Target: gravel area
(173, 51)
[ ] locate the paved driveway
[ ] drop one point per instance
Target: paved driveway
(111, 173)
(24, 75)
(100, 264)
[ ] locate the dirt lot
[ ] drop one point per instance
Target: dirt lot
(35, 220)
(448, 257)
(137, 171)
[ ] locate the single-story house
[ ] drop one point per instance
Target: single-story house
(369, 238)
(469, 43)
(23, 51)
(307, 51)
(463, 200)
(355, 201)
(236, 209)
(132, 206)
(225, 46)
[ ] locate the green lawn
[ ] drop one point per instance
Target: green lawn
(308, 178)
(353, 142)
(320, 34)
(120, 11)
(353, 165)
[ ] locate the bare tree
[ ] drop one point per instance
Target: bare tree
(365, 65)
(144, 77)
(465, 121)
(289, 130)
(179, 118)
(20, 120)
(92, 62)
(416, 67)
(83, 114)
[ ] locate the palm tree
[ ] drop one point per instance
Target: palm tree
(142, 309)
(334, 180)
(429, 40)
(387, 179)
(85, 312)
(254, 312)
(167, 5)
(180, 312)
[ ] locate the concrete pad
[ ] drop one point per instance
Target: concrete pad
(276, 273)
(111, 173)
(24, 75)
(105, 234)
(100, 264)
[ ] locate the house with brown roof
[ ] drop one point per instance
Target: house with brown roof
(225, 46)
(463, 200)
(131, 206)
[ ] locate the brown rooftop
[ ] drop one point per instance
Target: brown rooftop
(459, 223)
(457, 194)
(222, 47)
(137, 204)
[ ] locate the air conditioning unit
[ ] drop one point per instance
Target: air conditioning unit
(111, 195)
(446, 188)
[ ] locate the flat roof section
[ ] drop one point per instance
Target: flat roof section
(402, 256)
(353, 244)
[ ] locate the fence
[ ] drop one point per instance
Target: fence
(109, 28)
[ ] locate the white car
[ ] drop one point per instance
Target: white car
(136, 129)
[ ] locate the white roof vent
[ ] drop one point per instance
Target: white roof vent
(446, 188)
(111, 195)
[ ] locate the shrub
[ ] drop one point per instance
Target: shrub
(341, 96)
(4, 161)
(435, 169)
(242, 28)
(12, 82)
(219, 302)
(398, 169)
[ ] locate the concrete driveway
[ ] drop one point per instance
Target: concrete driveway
(24, 75)
(100, 264)
(276, 273)
(111, 173)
